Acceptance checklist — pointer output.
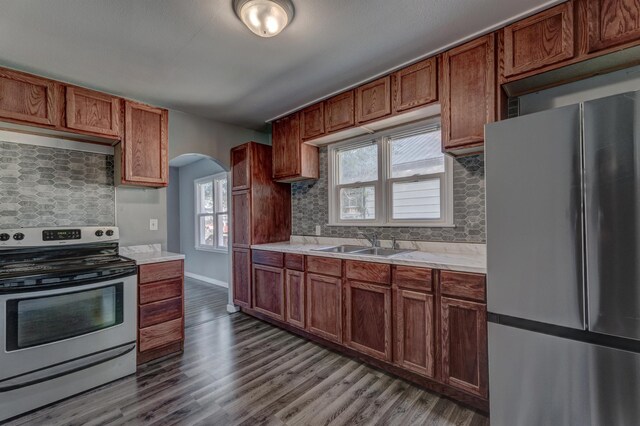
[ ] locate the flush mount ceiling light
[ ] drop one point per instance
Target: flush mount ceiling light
(265, 18)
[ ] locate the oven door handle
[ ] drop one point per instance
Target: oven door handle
(64, 368)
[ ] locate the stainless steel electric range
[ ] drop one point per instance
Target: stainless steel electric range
(67, 314)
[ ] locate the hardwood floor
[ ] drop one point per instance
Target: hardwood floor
(203, 302)
(237, 370)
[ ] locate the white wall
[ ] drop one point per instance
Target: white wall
(208, 264)
(173, 210)
(187, 134)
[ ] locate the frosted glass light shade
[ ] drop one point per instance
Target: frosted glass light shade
(265, 18)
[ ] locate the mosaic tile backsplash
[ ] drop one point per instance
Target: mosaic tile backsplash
(42, 186)
(310, 208)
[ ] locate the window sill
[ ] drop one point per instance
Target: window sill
(394, 225)
(212, 250)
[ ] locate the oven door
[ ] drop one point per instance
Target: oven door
(45, 328)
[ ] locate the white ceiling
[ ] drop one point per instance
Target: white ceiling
(196, 56)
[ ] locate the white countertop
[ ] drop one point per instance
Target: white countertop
(149, 254)
(465, 258)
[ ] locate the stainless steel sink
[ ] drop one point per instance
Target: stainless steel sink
(366, 251)
(342, 249)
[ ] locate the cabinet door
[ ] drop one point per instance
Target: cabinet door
(241, 277)
(339, 112)
(373, 100)
(324, 307)
(415, 331)
(612, 23)
(28, 99)
(241, 226)
(286, 147)
(368, 319)
(240, 167)
(268, 291)
(93, 112)
(540, 40)
(312, 121)
(468, 93)
(294, 297)
(464, 345)
(415, 85)
(146, 144)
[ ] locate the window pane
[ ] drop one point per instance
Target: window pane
(205, 197)
(221, 195)
(358, 203)
(206, 231)
(416, 200)
(358, 164)
(416, 155)
(223, 231)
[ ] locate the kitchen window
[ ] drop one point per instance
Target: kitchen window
(393, 178)
(211, 218)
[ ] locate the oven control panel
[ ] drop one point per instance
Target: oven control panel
(42, 237)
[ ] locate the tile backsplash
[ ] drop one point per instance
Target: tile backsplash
(43, 186)
(310, 208)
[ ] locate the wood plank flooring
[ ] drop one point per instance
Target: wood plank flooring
(237, 370)
(203, 302)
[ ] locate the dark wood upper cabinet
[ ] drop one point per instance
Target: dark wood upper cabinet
(268, 291)
(415, 86)
(368, 319)
(339, 112)
(28, 99)
(373, 100)
(312, 121)
(292, 159)
(324, 306)
(415, 331)
(93, 112)
(144, 154)
(294, 286)
(543, 39)
(240, 168)
(464, 345)
(612, 23)
(241, 259)
(469, 91)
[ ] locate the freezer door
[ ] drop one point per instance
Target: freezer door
(612, 181)
(534, 220)
(542, 380)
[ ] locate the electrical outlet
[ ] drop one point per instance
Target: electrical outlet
(318, 230)
(153, 224)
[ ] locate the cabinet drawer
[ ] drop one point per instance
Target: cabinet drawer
(462, 284)
(368, 271)
(418, 278)
(294, 261)
(163, 290)
(157, 312)
(324, 266)
(269, 258)
(160, 334)
(160, 271)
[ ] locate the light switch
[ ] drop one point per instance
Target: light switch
(318, 230)
(153, 224)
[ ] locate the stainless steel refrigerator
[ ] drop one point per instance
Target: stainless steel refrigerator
(563, 247)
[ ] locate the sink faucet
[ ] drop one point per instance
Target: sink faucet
(373, 239)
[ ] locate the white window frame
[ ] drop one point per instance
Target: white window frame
(383, 186)
(213, 179)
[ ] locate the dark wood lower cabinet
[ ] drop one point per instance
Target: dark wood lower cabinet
(241, 277)
(464, 345)
(368, 319)
(294, 297)
(324, 307)
(268, 291)
(415, 331)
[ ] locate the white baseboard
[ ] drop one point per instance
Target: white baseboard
(206, 279)
(232, 309)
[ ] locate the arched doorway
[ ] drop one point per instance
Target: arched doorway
(198, 225)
